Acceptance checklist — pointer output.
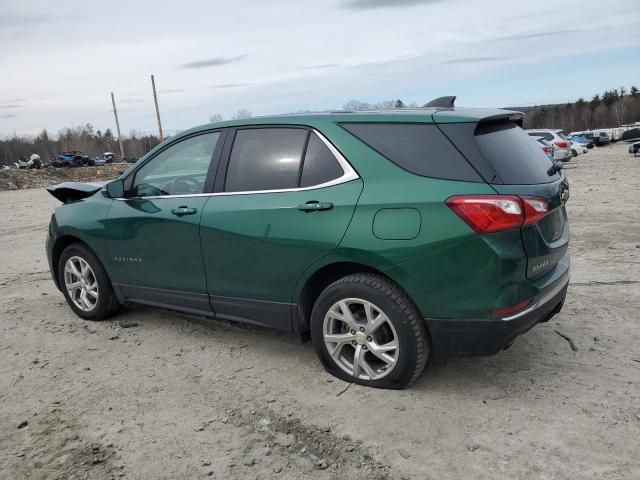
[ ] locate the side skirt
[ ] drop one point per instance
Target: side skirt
(258, 312)
(276, 315)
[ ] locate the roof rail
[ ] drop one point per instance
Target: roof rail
(443, 102)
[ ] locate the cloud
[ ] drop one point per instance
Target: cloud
(524, 36)
(214, 62)
(8, 106)
(456, 61)
(18, 20)
(172, 90)
(318, 67)
(374, 4)
(8, 115)
(231, 85)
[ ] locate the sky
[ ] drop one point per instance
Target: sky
(60, 60)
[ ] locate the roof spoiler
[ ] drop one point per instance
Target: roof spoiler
(442, 102)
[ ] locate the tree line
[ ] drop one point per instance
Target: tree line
(612, 108)
(83, 138)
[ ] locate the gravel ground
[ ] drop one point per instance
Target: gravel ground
(176, 397)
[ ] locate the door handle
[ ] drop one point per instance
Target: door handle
(314, 206)
(182, 211)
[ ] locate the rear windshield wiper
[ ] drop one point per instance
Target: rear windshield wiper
(555, 168)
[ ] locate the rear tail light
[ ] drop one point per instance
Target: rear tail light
(561, 143)
(547, 149)
(534, 209)
(496, 213)
(510, 310)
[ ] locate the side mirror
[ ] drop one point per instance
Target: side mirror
(115, 189)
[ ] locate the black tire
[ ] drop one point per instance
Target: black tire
(413, 338)
(107, 304)
(574, 153)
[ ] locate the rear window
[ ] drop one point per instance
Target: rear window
(421, 149)
(516, 159)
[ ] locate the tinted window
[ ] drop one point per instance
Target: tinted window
(319, 165)
(419, 148)
(180, 169)
(515, 158)
(265, 159)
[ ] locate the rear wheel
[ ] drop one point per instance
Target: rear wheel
(85, 284)
(366, 330)
(574, 153)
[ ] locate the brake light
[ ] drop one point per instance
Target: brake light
(509, 310)
(534, 209)
(561, 143)
(496, 213)
(547, 149)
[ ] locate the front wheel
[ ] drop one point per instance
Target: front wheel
(574, 153)
(85, 284)
(366, 330)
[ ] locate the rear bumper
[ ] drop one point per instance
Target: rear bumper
(459, 338)
(563, 154)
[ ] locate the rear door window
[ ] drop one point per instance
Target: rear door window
(265, 159)
(421, 149)
(320, 166)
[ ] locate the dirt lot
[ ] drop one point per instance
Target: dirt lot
(175, 397)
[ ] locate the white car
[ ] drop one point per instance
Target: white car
(558, 139)
(578, 148)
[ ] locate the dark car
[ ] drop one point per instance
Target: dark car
(73, 158)
(388, 238)
(634, 148)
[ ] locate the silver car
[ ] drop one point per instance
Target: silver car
(558, 139)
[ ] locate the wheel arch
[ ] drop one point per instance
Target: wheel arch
(60, 244)
(317, 282)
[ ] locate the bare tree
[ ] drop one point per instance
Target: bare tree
(242, 113)
(216, 117)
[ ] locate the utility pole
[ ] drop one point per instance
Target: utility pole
(115, 112)
(155, 99)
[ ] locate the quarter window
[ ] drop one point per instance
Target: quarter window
(320, 166)
(265, 159)
(180, 169)
(421, 149)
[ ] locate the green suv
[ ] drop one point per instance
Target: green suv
(387, 237)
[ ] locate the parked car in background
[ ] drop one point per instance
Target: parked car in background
(562, 145)
(634, 148)
(106, 157)
(389, 240)
(73, 158)
(32, 161)
(603, 137)
(631, 135)
(581, 139)
(597, 140)
(614, 134)
(546, 146)
(578, 148)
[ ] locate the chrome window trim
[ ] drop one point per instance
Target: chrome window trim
(348, 175)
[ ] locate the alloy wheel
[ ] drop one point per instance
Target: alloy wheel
(81, 283)
(361, 339)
